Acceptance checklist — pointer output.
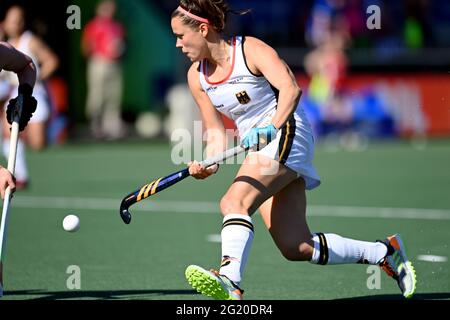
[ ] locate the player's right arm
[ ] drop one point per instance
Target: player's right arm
(212, 123)
(15, 61)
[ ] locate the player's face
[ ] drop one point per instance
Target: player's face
(190, 41)
(14, 22)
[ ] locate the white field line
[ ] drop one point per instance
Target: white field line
(214, 238)
(69, 203)
(432, 258)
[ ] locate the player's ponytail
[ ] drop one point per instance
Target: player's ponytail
(195, 12)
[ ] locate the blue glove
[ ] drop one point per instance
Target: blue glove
(258, 138)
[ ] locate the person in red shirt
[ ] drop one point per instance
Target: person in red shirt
(103, 46)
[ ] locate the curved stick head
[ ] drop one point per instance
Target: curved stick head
(125, 213)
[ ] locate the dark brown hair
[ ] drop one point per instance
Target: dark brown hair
(216, 11)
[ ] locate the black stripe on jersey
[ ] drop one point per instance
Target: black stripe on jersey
(238, 222)
(323, 257)
(245, 59)
(287, 139)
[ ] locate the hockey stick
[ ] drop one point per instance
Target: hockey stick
(11, 166)
(167, 181)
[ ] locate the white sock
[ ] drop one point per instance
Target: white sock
(21, 171)
(237, 237)
(333, 249)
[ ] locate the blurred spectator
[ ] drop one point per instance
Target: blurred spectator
(354, 14)
(103, 45)
(417, 28)
(327, 67)
(46, 63)
(405, 23)
(323, 14)
(352, 117)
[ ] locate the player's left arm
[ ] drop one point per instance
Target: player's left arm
(263, 59)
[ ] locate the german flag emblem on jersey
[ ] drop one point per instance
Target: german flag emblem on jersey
(243, 97)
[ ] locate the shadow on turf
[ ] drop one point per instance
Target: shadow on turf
(140, 294)
(417, 296)
(106, 295)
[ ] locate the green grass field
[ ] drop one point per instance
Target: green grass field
(389, 188)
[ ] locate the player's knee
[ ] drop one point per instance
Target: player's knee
(231, 205)
(296, 252)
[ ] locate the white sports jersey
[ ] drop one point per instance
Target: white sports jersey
(251, 101)
(245, 98)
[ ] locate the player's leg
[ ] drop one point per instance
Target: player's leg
(35, 135)
(95, 97)
(285, 217)
(112, 124)
(257, 180)
(35, 131)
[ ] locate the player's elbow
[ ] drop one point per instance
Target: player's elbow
(293, 93)
(28, 71)
(296, 93)
(31, 66)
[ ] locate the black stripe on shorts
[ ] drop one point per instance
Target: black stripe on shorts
(323, 258)
(287, 140)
